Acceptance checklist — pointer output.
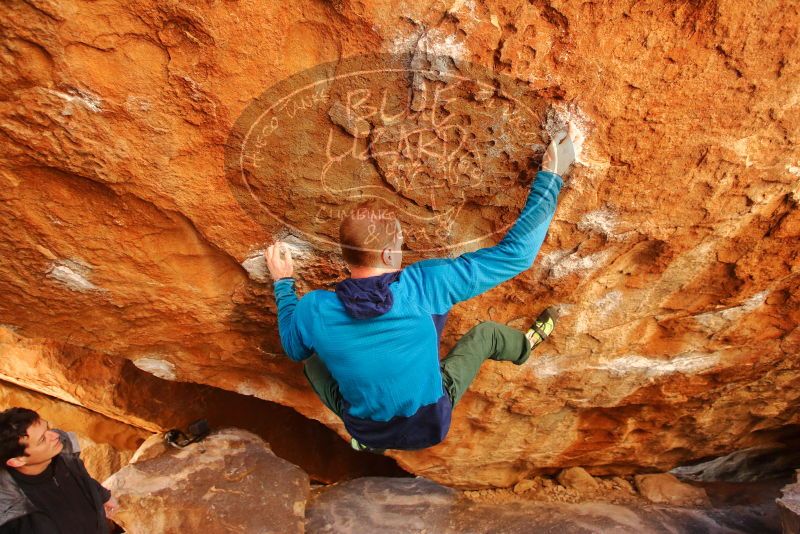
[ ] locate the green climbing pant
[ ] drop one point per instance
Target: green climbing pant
(324, 385)
(487, 340)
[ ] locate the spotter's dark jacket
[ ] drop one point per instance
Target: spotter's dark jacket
(19, 515)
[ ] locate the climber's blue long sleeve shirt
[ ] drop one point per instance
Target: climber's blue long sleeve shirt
(387, 366)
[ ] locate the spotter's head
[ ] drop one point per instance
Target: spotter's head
(26, 439)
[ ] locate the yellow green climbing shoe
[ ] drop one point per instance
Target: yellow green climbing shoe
(360, 447)
(541, 328)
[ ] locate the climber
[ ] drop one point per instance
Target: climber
(44, 487)
(371, 347)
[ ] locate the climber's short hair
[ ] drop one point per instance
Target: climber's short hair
(366, 230)
(14, 425)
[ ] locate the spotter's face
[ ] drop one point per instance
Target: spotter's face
(41, 445)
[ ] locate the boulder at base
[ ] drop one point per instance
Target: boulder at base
(789, 506)
(664, 488)
(229, 482)
(416, 506)
(578, 479)
(747, 465)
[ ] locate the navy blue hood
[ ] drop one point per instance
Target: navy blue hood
(364, 298)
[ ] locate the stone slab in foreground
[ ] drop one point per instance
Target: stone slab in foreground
(421, 506)
(229, 482)
(789, 506)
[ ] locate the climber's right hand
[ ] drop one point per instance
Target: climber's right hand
(561, 153)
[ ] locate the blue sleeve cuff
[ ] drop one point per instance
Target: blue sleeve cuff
(553, 176)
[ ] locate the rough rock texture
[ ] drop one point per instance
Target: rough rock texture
(673, 256)
(229, 482)
(789, 506)
(543, 489)
(664, 488)
(101, 459)
(420, 506)
(578, 479)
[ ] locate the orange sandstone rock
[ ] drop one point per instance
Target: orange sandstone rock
(673, 256)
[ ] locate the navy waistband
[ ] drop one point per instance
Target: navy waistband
(425, 428)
